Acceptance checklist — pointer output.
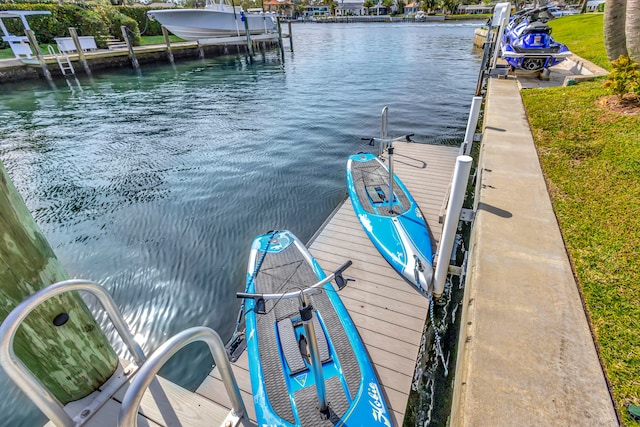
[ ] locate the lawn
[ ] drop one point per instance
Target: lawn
(583, 34)
(149, 40)
(591, 160)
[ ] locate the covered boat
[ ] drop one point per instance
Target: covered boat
(218, 19)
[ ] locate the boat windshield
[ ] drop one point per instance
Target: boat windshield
(224, 5)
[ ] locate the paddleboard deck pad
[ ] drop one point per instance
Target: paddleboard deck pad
(282, 379)
(400, 234)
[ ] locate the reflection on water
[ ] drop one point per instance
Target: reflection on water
(154, 185)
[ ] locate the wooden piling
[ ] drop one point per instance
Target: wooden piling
(39, 56)
(165, 34)
(73, 359)
(127, 40)
(200, 50)
(290, 36)
(76, 42)
(280, 38)
(246, 32)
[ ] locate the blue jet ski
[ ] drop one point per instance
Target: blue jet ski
(527, 43)
(308, 364)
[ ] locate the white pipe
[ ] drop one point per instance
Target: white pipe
(504, 11)
(454, 207)
(472, 123)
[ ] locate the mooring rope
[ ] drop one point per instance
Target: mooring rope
(253, 275)
(437, 336)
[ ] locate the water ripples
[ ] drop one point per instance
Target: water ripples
(154, 185)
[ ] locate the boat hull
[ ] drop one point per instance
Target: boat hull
(402, 238)
(202, 24)
(284, 392)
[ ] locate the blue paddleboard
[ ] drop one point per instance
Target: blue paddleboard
(282, 378)
(398, 230)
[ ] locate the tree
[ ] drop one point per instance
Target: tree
(632, 29)
(429, 5)
(332, 6)
(615, 41)
(450, 5)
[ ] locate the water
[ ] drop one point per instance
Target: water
(154, 184)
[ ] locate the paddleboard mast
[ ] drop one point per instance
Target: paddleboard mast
(384, 136)
(306, 314)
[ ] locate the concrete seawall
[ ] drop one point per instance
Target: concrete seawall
(15, 70)
(526, 354)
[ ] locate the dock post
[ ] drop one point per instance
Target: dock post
(280, 38)
(127, 40)
(165, 34)
(454, 207)
(76, 42)
(200, 50)
(59, 342)
(500, 18)
(290, 36)
(246, 31)
(487, 47)
(472, 123)
(40, 57)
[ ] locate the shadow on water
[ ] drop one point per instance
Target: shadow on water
(154, 185)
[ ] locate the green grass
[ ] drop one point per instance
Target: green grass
(8, 53)
(583, 34)
(591, 160)
(149, 40)
(474, 16)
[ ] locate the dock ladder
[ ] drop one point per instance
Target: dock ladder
(137, 375)
(63, 61)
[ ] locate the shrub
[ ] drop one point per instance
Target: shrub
(600, 7)
(146, 25)
(624, 78)
(47, 27)
(115, 20)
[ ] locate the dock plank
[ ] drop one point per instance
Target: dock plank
(163, 404)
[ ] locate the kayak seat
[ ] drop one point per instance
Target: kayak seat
(376, 193)
(323, 347)
(289, 346)
(293, 350)
(537, 27)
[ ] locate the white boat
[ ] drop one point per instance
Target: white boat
(217, 19)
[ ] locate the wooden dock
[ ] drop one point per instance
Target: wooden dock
(389, 314)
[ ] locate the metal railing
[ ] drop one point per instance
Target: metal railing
(21, 375)
(146, 374)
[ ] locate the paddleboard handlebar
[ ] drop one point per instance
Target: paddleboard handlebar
(337, 275)
(405, 138)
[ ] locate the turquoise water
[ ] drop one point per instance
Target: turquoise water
(154, 184)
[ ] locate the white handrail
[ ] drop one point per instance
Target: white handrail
(129, 409)
(297, 293)
(21, 375)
